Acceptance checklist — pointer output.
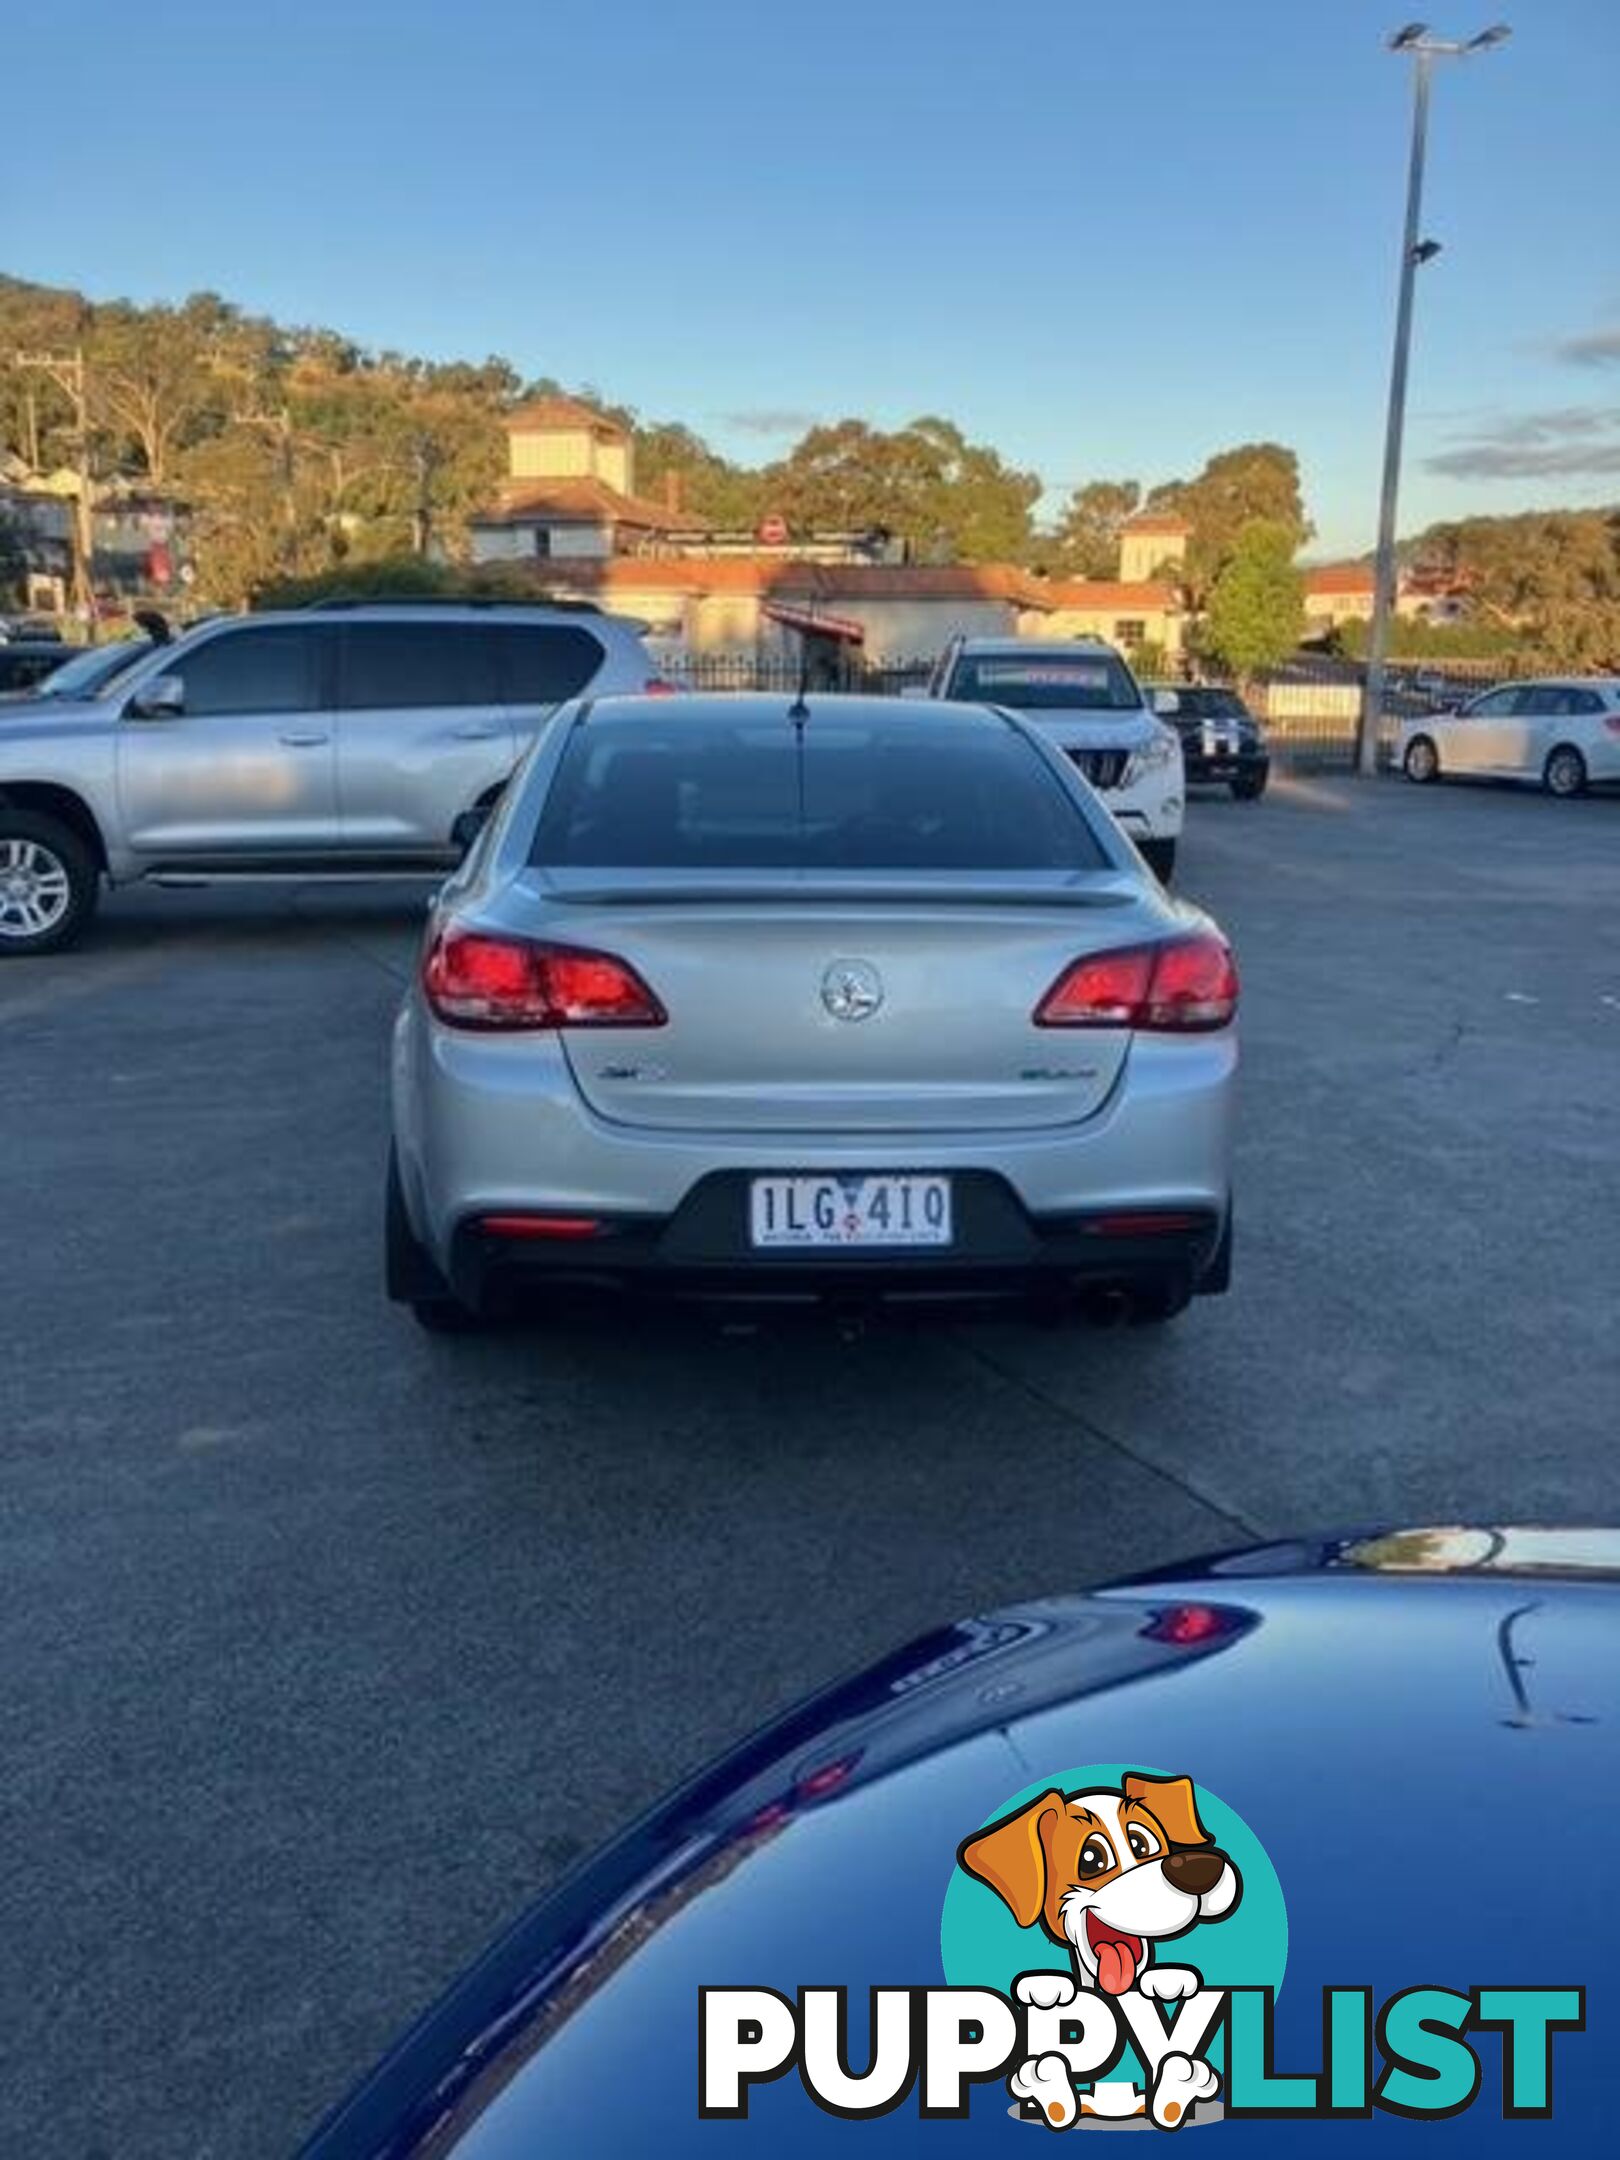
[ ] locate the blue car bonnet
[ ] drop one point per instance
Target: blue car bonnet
(1406, 1740)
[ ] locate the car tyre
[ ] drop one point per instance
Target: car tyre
(1421, 763)
(410, 1272)
(1160, 857)
(1250, 788)
(1564, 773)
(49, 884)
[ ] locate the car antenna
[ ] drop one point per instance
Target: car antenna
(799, 711)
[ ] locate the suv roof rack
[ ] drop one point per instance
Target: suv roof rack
(448, 600)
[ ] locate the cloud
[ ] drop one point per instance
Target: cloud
(1497, 461)
(770, 420)
(1581, 421)
(1593, 348)
(1569, 442)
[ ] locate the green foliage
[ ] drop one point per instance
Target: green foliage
(404, 577)
(1086, 543)
(1150, 661)
(1253, 482)
(713, 492)
(1413, 638)
(951, 499)
(1256, 607)
(1549, 577)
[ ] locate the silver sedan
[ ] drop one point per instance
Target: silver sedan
(837, 1000)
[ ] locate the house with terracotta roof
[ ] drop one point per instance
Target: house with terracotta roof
(1343, 592)
(570, 490)
(773, 606)
(1129, 614)
(1336, 593)
(569, 508)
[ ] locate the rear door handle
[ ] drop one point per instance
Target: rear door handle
(305, 742)
(475, 733)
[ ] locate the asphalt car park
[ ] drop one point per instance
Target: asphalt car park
(328, 1643)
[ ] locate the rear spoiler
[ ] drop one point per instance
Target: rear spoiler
(1106, 890)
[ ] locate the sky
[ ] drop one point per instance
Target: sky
(1108, 240)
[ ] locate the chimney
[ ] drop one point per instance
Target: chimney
(672, 495)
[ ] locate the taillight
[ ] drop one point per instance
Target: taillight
(562, 1227)
(1185, 1625)
(1185, 986)
(477, 981)
(660, 686)
(1612, 723)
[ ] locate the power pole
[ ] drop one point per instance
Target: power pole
(67, 371)
(425, 460)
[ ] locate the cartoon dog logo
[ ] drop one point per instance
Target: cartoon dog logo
(1109, 1874)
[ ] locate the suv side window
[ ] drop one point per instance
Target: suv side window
(271, 670)
(389, 665)
(542, 664)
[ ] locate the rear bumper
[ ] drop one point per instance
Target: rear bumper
(489, 1125)
(1244, 763)
(1000, 1252)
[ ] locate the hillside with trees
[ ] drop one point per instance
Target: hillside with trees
(299, 452)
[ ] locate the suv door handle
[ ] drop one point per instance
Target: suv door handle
(475, 732)
(305, 741)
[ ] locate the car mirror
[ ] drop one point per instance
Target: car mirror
(163, 698)
(466, 829)
(1166, 701)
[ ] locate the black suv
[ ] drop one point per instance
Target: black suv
(1221, 740)
(27, 661)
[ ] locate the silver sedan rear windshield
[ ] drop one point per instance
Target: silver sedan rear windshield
(1055, 682)
(713, 793)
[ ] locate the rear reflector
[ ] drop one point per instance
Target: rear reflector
(1185, 986)
(1145, 1222)
(477, 981)
(540, 1226)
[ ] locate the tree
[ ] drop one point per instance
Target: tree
(151, 380)
(950, 498)
(1552, 577)
(1254, 481)
(1256, 605)
(713, 492)
(1087, 538)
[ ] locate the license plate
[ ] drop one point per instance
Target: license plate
(852, 1213)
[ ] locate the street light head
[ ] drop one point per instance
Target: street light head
(1497, 34)
(1408, 36)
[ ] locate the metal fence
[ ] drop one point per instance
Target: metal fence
(1310, 705)
(738, 671)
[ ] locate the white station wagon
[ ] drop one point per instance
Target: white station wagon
(1563, 734)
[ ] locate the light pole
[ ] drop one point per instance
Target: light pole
(1425, 50)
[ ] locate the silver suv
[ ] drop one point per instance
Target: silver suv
(337, 739)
